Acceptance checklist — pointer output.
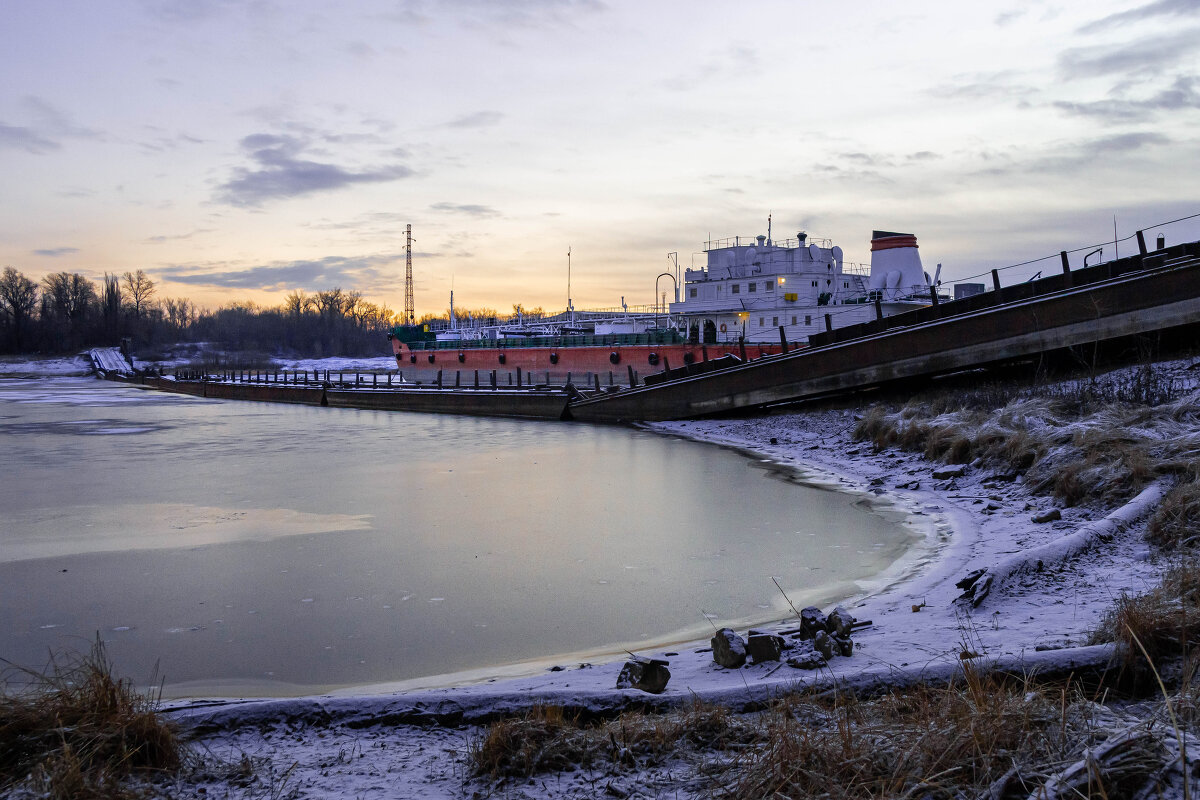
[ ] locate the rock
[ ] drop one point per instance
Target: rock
(843, 645)
(647, 674)
(774, 440)
(949, 471)
(823, 644)
(806, 658)
(1048, 516)
(840, 622)
(970, 578)
(764, 647)
(811, 621)
(729, 649)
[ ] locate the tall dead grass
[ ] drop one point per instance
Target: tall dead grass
(1097, 441)
(75, 731)
(546, 739)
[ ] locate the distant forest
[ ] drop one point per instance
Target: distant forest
(67, 312)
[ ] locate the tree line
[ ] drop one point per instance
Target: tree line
(67, 312)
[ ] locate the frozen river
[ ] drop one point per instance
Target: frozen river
(274, 549)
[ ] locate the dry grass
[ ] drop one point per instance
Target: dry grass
(1098, 441)
(923, 742)
(547, 740)
(1177, 519)
(75, 731)
(1165, 620)
(982, 736)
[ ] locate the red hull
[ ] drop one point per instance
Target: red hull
(580, 364)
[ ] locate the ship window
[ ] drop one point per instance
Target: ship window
(793, 320)
(769, 286)
(762, 322)
(807, 319)
(814, 283)
(737, 289)
(692, 292)
(845, 284)
(775, 320)
(751, 287)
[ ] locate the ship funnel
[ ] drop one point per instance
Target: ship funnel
(896, 265)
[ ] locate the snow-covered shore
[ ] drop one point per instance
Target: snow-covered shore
(415, 744)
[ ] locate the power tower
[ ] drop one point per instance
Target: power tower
(409, 306)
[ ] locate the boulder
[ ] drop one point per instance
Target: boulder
(811, 621)
(949, 471)
(823, 644)
(764, 647)
(1048, 516)
(729, 649)
(840, 622)
(647, 674)
(843, 645)
(805, 657)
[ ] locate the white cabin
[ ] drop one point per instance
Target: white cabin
(754, 287)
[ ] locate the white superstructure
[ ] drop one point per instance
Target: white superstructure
(753, 287)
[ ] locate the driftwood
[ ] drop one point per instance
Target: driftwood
(1137, 751)
(979, 582)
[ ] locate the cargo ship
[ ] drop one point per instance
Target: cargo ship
(755, 297)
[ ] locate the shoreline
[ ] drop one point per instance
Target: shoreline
(418, 743)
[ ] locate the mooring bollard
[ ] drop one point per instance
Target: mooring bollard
(457, 379)
(476, 379)
(518, 376)
(439, 379)
(493, 380)
(597, 377)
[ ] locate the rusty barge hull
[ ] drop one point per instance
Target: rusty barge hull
(526, 404)
(520, 403)
(1139, 302)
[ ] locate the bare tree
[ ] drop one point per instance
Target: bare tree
(296, 303)
(18, 298)
(140, 289)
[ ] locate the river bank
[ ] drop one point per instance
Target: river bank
(418, 744)
(979, 515)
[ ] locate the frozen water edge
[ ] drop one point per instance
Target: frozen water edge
(412, 743)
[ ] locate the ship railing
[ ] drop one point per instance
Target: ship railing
(856, 269)
(748, 241)
(663, 336)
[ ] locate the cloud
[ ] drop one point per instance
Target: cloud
(177, 237)
(1181, 95)
(56, 252)
(527, 14)
(1148, 56)
(1160, 8)
(49, 126)
(348, 272)
(22, 138)
(479, 119)
(470, 209)
(282, 173)
(1008, 17)
(737, 62)
(1069, 158)
(984, 86)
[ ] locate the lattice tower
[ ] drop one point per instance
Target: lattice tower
(409, 306)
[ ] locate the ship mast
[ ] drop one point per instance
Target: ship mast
(409, 310)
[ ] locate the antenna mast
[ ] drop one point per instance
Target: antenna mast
(409, 310)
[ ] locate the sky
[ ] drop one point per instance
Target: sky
(242, 149)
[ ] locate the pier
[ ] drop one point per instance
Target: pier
(1143, 294)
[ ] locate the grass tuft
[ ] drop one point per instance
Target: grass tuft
(75, 731)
